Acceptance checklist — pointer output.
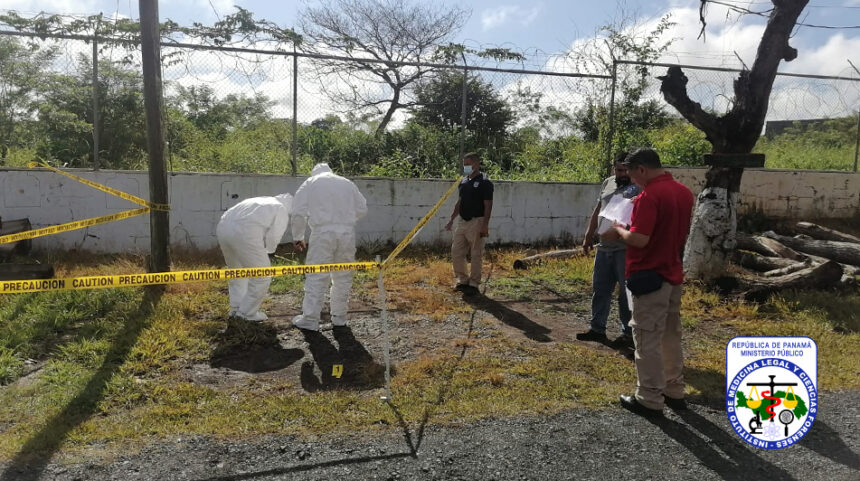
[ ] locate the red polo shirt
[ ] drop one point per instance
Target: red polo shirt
(662, 211)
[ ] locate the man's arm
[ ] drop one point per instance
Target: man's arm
(453, 215)
(588, 242)
(635, 239)
(488, 211)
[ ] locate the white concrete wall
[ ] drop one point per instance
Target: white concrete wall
(790, 194)
(523, 211)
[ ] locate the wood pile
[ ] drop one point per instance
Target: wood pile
(814, 257)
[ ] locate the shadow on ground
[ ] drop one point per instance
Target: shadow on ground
(30, 463)
(347, 365)
(252, 347)
(505, 314)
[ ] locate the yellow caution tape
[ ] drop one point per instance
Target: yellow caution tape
(177, 277)
(79, 224)
(110, 190)
(406, 240)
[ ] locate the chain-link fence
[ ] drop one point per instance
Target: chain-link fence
(813, 121)
(246, 110)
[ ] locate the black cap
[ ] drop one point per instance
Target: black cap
(645, 157)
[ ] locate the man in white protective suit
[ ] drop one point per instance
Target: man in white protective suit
(247, 233)
(330, 205)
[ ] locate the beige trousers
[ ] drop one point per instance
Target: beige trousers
(657, 333)
(468, 241)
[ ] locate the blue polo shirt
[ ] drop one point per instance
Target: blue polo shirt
(473, 193)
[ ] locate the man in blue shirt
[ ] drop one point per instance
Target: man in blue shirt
(474, 209)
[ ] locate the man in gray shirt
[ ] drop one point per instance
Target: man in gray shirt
(609, 263)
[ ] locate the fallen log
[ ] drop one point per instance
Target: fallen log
(788, 269)
(529, 261)
(767, 247)
(821, 276)
(844, 252)
(760, 263)
(823, 233)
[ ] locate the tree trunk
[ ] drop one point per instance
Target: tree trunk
(818, 232)
(844, 252)
(767, 247)
(760, 263)
(821, 276)
(527, 262)
(392, 107)
(788, 269)
(712, 233)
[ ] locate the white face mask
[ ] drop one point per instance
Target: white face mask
(467, 169)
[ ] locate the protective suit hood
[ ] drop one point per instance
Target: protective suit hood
(320, 169)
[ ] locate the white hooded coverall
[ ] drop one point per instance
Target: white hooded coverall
(247, 233)
(331, 205)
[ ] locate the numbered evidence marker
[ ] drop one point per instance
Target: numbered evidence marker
(337, 370)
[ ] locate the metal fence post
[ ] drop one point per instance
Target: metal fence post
(464, 103)
(295, 134)
(857, 142)
(96, 116)
(611, 133)
(386, 348)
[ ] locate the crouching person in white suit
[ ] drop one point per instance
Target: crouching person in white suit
(247, 233)
(331, 205)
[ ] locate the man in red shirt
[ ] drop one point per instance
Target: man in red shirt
(655, 241)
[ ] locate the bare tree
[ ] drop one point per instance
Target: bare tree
(712, 235)
(380, 30)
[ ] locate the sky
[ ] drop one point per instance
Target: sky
(543, 27)
(546, 29)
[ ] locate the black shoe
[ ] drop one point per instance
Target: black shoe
(623, 341)
(675, 404)
(631, 404)
(591, 336)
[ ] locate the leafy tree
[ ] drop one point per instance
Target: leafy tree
(440, 104)
(218, 116)
(65, 115)
(21, 68)
(626, 38)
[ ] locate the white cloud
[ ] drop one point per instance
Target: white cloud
(51, 6)
(504, 14)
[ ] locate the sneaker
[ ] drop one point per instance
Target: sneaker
(623, 341)
(302, 322)
(338, 321)
(591, 335)
(258, 316)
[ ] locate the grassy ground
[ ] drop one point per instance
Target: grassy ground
(106, 371)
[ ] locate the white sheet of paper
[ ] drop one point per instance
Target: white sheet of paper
(618, 210)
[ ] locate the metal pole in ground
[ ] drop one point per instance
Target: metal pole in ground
(386, 349)
(857, 142)
(96, 119)
(464, 105)
(295, 135)
(611, 132)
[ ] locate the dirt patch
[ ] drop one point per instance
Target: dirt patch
(352, 357)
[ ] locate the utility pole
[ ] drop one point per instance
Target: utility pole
(150, 49)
